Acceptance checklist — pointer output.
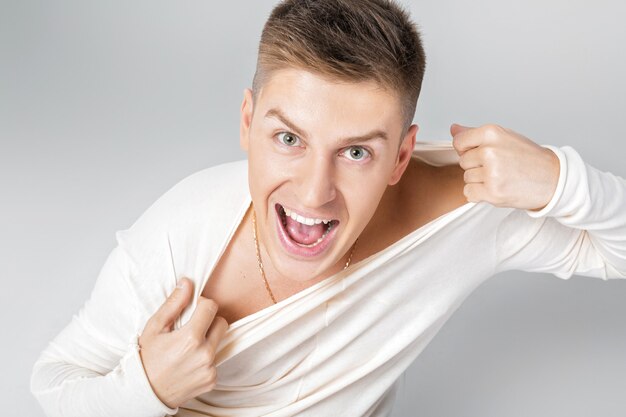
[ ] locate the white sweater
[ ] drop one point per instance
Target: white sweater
(338, 347)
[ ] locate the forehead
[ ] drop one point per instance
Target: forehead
(318, 101)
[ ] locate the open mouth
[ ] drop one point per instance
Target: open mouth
(304, 236)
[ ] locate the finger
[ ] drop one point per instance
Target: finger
(456, 128)
(474, 175)
(169, 311)
(474, 192)
(202, 317)
(216, 332)
(463, 138)
(471, 159)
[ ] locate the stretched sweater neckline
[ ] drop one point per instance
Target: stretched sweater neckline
(432, 152)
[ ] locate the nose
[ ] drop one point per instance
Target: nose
(317, 182)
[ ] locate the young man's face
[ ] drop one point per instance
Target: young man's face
(322, 150)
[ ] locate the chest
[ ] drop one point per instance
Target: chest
(237, 285)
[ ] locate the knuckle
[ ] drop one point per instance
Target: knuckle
(491, 130)
(172, 300)
(208, 356)
(208, 303)
(221, 321)
(155, 322)
(487, 153)
(212, 374)
(191, 341)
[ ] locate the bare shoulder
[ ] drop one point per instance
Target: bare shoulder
(429, 191)
(451, 185)
(424, 193)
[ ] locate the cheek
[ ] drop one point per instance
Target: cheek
(363, 194)
(367, 179)
(263, 178)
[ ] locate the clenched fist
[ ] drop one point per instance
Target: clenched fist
(179, 364)
(505, 168)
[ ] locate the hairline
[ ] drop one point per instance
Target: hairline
(263, 75)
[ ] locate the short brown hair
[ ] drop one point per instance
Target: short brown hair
(349, 40)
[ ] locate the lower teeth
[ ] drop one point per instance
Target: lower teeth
(330, 227)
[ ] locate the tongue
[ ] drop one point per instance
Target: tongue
(302, 233)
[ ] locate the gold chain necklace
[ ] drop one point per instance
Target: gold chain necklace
(258, 256)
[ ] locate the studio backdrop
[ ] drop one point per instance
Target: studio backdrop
(105, 105)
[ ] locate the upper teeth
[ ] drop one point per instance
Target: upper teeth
(304, 220)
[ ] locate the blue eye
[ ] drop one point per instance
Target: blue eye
(288, 139)
(356, 153)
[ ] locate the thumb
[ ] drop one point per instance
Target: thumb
(456, 128)
(163, 319)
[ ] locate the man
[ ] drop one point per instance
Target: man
(311, 275)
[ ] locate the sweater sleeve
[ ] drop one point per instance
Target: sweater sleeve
(581, 231)
(92, 367)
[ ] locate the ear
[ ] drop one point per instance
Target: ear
(245, 119)
(404, 154)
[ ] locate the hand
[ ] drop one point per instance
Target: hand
(505, 168)
(179, 364)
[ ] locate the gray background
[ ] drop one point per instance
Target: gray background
(106, 105)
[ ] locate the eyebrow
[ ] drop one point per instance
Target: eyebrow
(374, 134)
